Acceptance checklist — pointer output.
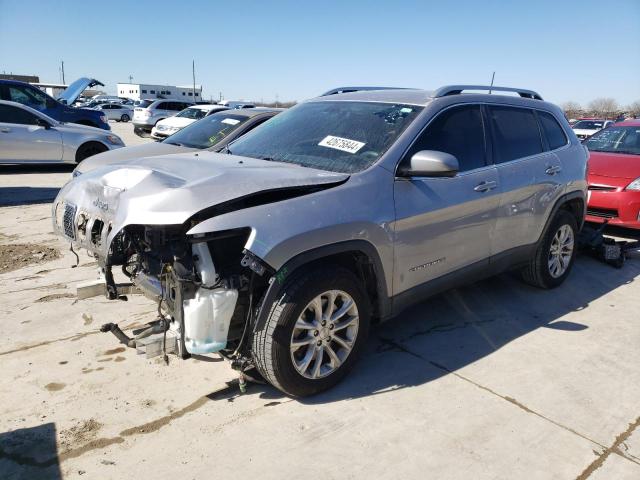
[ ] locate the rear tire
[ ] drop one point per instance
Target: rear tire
(555, 253)
(88, 149)
(295, 351)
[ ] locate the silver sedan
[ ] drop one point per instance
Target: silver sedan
(29, 136)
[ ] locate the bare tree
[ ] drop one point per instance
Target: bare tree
(634, 109)
(572, 109)
(604, 107)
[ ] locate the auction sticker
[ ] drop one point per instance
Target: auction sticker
(230, 121)
(344, 144)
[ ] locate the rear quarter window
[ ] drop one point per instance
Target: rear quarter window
(515, 133)
(556, 137)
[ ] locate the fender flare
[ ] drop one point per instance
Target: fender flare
(294, 264)
(577, 194)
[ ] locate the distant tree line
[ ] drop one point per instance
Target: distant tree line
(604, 107)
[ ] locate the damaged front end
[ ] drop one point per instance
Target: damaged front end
(137, 218)
(203, 291)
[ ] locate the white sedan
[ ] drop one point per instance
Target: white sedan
(171, 125)
(29, 136)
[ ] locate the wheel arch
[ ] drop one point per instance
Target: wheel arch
(359, 256)
(84, 144)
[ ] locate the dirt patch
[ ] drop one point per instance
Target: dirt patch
(19, 255)
(54, 296)
(54, 387)
(88, 318)
(79, 434)
(113, 351)
(119, 359)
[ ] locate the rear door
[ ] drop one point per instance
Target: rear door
(23, 140)
(446, 224)
(528, 174)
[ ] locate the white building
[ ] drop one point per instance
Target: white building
(147, 91)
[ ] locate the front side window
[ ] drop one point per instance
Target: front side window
(616, 140)
(552, 130)
(15, 115)
(515, 133)
(27, 96)
(206, 132)
(458, 131)
(338, 136)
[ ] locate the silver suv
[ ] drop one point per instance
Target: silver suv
(340, 212)
(149, 112)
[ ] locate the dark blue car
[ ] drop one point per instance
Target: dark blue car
(59, 109)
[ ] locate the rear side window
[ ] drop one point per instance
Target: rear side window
(457, 131)
(552, 130)
(163, 106)
(10, 114)
(515, 133)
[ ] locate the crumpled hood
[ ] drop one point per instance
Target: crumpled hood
(168, 190)
(126, 154)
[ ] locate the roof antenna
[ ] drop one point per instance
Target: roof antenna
(492, 77)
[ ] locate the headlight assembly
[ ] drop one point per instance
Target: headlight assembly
(635, 185)
(114, 140)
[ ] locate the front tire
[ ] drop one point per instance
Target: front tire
(314, 332)
(125, 118)
(555, 253)
(88, 149)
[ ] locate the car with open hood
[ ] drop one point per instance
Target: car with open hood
(280, 252)
(212, 133)
(59, 109)
(614, 175)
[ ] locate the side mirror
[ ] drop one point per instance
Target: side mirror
(43, 123)
(430, 163)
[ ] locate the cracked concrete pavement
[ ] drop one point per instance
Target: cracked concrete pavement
(496, 380)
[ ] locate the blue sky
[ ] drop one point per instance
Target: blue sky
(565, 49)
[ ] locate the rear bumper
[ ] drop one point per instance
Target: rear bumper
(616, 207)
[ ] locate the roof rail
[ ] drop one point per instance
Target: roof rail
(358, 89)
(458, 89)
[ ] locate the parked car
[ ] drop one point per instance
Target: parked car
(212, 133)
(171, 125)
(338, 212)
(29, 136)
(614, 175)
(61, 110)
(584, 128)
(149, 112)
(116, 111)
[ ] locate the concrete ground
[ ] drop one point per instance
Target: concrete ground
(493, 381)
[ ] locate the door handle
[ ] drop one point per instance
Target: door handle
(485, 186)
(553, 170)
(5, 130)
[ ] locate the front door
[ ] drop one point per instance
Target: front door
(23, 140)
(445, 224)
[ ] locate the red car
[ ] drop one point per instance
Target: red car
(614, 175)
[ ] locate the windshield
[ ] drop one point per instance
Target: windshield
(194, 113)
(588, 124)
(616, 140)
(337, 136)
(207, 132)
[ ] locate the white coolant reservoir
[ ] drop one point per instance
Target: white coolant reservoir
(207, 318)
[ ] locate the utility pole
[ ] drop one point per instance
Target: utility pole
(492, 78)
(62, 61)
(193, 72)
(276, 100)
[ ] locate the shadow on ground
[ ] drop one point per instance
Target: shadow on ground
(34, 450)
(460, 327)
(26, 194)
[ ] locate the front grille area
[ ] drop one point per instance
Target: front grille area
(602, 212)
(67, 220)
(601, 188)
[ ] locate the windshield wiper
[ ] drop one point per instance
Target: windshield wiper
(174, 143)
